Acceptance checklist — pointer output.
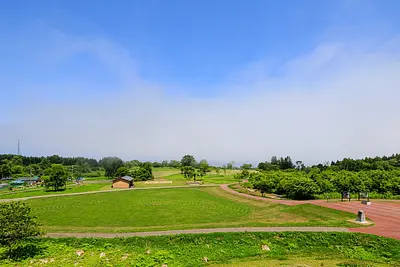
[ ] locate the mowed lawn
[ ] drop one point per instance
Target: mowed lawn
(178, 208)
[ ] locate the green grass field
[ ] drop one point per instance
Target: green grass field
(41, 191)
(220, 249)
(211, 178)
(178, 208)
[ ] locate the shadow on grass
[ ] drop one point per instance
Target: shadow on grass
(23, 251)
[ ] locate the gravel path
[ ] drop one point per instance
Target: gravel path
(202, 231)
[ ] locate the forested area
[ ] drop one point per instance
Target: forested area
(380, 176)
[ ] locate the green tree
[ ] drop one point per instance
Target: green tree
(264, 186)
(133, 163)
(111, 165)
(188, 160)
(164, 163)
(142, 174)
(274, 160)
(246, 166)
(156, 164)
(45, 164)
(262, 166)
(267, 166)
(18, 170)
(244, 174)
(204, 167)
(5, 169)
(189, 172)
(285, 163)
(17, 160)
(122, 171)
(299, 187)
(16, 224)
(174, 164)
(57, 179)
(34, 169)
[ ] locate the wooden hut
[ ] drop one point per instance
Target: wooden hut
(123, 182)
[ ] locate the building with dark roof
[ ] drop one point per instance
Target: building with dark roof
(123, 182)
(31, 180)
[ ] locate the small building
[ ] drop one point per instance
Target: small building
(31, 180)
(79, 180)
(123, 182)
(17, 183)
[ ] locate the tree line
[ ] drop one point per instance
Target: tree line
(380, 176)
(316, 183)
(16, 166)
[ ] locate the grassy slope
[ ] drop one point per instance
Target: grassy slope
(210, 178)
(162, 209)
(227, 249)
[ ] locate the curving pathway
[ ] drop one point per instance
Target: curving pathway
(385, 214)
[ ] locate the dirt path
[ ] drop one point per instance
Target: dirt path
(104, 191)
(202, 231)
(385, 214)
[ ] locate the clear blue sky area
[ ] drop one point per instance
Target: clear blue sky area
(187, 42)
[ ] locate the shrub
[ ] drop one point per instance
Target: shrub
(17, 224)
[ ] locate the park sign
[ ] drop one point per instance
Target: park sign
(345, 195)
(364, 197)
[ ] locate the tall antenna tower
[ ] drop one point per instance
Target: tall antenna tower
(18, 149)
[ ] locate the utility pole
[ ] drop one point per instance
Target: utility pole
(18, 149)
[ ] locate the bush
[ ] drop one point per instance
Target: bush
(300, 188)
(17, 224)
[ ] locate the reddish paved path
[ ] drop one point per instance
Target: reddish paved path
(385, 214)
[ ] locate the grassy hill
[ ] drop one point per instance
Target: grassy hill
(177, 208)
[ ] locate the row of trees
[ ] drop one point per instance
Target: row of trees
(303, 185)
(55, 159)
(279, 164)
(16, 166)
(366, 164)
(377, 163)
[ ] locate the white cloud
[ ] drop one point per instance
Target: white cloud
(337, 101)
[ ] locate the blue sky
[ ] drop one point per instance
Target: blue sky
(67, 62)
